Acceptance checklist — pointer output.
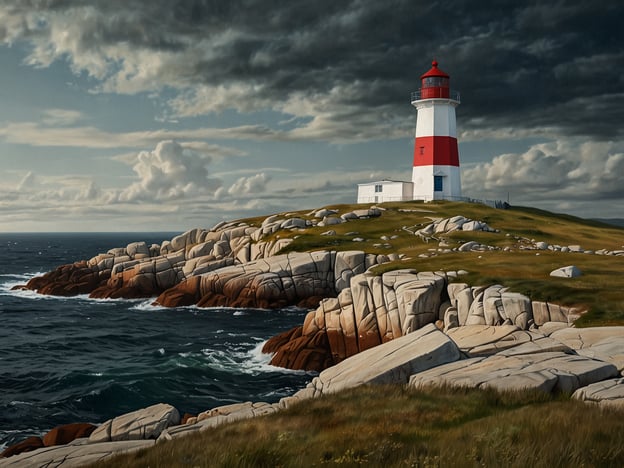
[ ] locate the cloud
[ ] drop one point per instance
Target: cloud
(34, 134)
(557, 173)
(170, 172)
(61, 117)
(249, 185)
(345, 68)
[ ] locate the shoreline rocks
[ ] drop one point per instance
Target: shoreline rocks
(402, 327)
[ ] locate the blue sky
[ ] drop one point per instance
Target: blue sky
(137, 116)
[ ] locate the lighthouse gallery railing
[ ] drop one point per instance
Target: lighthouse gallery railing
(431, 94)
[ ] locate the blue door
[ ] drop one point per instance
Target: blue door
(438, 183)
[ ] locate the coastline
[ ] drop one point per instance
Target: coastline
(347, 270)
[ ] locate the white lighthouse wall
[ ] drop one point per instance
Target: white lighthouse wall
(436, 117)
(422, 178)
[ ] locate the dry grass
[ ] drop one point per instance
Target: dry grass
(395, 427)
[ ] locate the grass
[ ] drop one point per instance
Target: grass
(528, 271)
(395, 426)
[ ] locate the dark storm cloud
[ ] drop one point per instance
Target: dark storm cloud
(518, 65)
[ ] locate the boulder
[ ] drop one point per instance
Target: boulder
(66, 433)
(468, 246)
(570, 271)
(606, 393)
(349, 216)
(330, 221)
(517, 308)
(390, 363)
(292, 223)
(142, 424)
(322, 213)
(138, 248)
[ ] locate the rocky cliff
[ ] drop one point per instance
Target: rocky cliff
(403, 326)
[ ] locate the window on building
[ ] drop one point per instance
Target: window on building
(422, 150)
(378, 188)
(438, 183)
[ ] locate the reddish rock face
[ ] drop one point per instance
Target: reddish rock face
(28, 445)
(62, 435)
(66, 280)
(300, 352)
(183, 294)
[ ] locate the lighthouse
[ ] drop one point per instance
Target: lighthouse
(435, 174)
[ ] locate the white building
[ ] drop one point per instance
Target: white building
(385, 191)
(435, 172)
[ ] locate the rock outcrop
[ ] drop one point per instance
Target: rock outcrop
(378, 309)
(141, 271)
(550, 371)
(395, 362)
(296, 278)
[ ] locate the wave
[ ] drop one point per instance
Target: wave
(254, 361)
(147, 305)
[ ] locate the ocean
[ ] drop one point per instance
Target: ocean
(65, 360)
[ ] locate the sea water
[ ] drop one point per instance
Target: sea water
(77, 359)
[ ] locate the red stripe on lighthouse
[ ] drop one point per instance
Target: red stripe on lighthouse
(436, 151)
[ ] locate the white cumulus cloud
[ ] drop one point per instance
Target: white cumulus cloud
(249, 185)
(170, 172)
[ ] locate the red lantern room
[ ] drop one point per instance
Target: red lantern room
(434, 83)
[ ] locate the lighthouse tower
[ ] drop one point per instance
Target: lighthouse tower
(436, 159)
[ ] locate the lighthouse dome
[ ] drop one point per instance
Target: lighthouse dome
(434, 72)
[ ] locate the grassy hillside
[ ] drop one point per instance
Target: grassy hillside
(394, 426)
(398, 427)
(599, 290)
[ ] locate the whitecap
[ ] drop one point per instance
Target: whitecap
(19, 402)
(248, 359)
(161, 351)
(239, 312)
(147, 305)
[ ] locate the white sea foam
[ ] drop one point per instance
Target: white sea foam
(147, 305)
(19, 402)
(244, 358)
(6, 289)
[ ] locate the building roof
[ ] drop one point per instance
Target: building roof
(385, 181)
(434, 71)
